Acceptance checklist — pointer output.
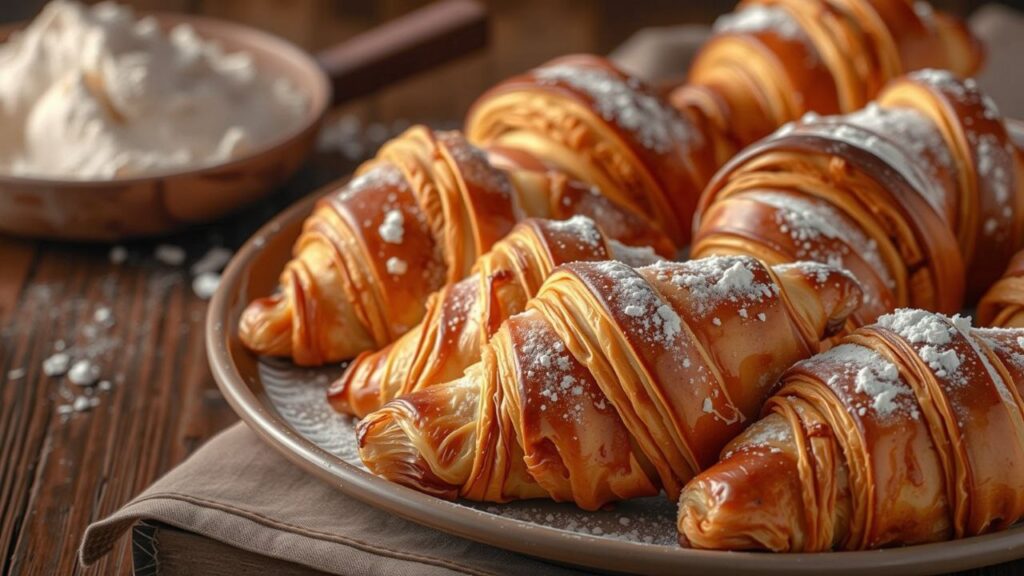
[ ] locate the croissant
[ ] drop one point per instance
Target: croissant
(771, 61)
(461, 317)
(1003, 304)
(582, 115)
(415, 218)
(919, 195)
(614, 383)
(910, 431)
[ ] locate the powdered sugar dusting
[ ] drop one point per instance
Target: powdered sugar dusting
(934, 333)
(623, 101)
(807, 221)
(713, 280)
(818, 272)
(634, 297)
(580, 227)
(994, 171)
(381, 175)
(901, 159)
(767, 433)
(751, 19)
(872, 376)
(633, 256)
(913, 132)
(475, 167)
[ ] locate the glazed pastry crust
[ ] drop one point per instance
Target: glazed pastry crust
(462, 317)
(614, 383)
(885, 440)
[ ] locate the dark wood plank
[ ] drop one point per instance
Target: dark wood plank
(59, 473)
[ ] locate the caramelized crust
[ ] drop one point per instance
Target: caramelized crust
(614, 383)
(910, 431)
(461, 317)
(416, 218)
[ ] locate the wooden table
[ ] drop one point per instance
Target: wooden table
(58, 473)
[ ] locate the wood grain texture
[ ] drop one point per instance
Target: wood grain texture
(59, 473)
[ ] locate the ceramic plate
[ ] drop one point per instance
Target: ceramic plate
(285, 405)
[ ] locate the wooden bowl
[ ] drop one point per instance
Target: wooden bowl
(154, 204)
(161, 202)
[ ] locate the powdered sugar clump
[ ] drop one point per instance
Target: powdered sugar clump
(392, 229)
(713, 280)
(934, 332)
(396, 266)
(871, 375)
(623, 101)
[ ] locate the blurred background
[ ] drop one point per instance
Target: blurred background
(524, 33)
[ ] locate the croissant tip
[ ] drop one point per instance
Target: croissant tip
(338, 391)
(684, 541)
(260, 323)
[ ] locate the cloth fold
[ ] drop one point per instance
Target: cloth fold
(239, 491)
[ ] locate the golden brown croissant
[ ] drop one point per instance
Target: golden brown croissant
(614, 383)
(771, 61)
(1003, 305)
(416, 218)
(462, 317)
(916, 194)
(910, 431)
(582, 115)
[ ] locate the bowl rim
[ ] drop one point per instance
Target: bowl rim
(545, 542)
(319, 95)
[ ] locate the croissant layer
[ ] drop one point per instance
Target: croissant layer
(920, 195)
(614, 383)
(462, 317)
(416, 218)
(910, 431)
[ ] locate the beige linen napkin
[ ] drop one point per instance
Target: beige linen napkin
(241, 492)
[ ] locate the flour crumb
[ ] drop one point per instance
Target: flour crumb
(169, 254)
(205, 285)
(117, 255)
(84, 373)
(57, 364)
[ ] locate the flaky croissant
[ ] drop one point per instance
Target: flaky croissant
(582, 115)
(771, 61)
(462, 317)
(917, 195)
(910, 431)
(1003, 305)
(614, 383)
(415, 218)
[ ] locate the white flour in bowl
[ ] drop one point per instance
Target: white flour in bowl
(95, 93)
